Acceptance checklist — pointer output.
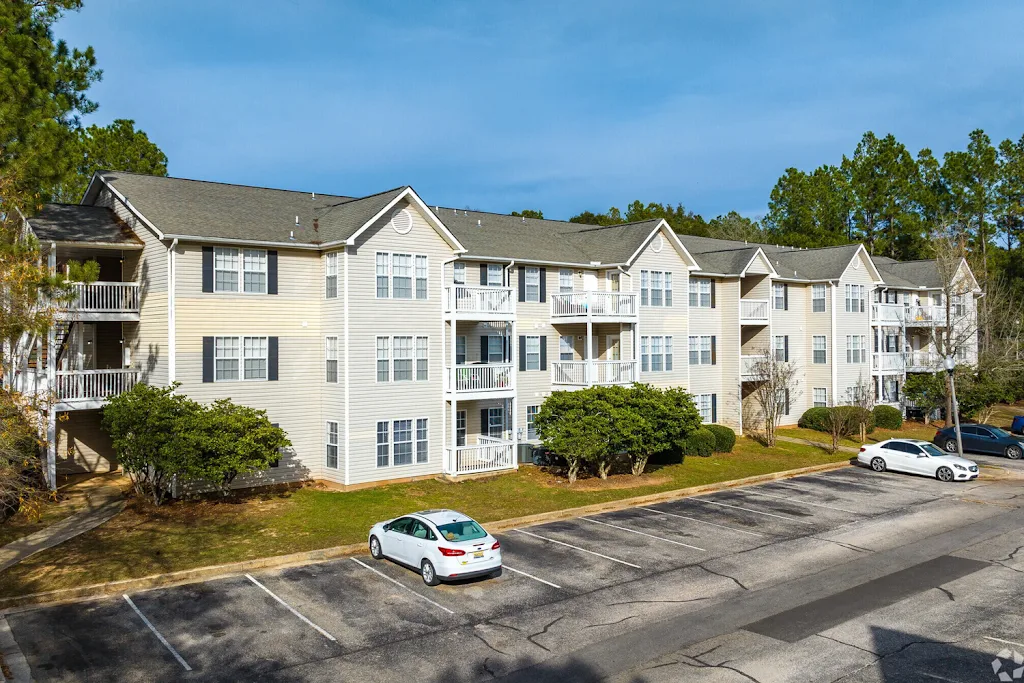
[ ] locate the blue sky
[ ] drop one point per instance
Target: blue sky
(561, 106)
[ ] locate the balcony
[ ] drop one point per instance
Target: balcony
(77, 389)
(887, 362)
(923, 361)
(99, 301)
(753, 311)
(484, 380)
(488, 455)
(594, 306)
(909, 315)
(748, 367)
(480, 303)
(581, 373)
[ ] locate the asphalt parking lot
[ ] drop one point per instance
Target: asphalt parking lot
(573, 591)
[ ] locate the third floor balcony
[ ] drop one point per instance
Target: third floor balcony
(595, 306)
(753, 311)
(465, 302)
(102, 301)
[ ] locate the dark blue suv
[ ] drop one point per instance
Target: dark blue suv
(981, 439)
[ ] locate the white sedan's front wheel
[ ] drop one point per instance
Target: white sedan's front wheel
(944, 474)
(375, 551)
(878, 464)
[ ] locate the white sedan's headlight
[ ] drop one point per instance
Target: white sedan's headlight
(960, 467)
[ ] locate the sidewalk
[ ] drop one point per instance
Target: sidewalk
(100, 497)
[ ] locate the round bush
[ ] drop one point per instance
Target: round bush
(817, 418)
(725, 438)
(701, 442)
(888, 417)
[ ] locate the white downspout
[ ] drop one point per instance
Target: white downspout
(835, 344)
(348, 405)
(171, 326)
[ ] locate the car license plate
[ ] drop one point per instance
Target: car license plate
(478, 554)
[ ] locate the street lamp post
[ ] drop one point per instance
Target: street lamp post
(950, 367)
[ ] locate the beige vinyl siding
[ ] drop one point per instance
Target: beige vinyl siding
(721, 379)
(797, 323)
(369, 316)
(293, 315)
(848, 374)
(332, 402)
(82, 444)
(534, 319)
(146, 339)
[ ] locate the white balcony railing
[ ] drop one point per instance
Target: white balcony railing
(754, 310)
(888, 361)
(463, 299)
(909, 314)
(923, 361)
(105, 297)
(488, 456)
(594, 304)
(93, 385)
(581, 373)
(482, 377)
(888, 314)
(748, 366)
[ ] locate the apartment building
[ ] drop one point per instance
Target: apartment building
(393, 339)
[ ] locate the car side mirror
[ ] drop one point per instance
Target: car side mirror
(387, 527)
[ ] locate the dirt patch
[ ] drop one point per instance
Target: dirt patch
(554, 479)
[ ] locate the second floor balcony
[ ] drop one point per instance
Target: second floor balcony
(753, 311)
(912, 315)
(581, 373)
(466, 302)
(595, 306)
(102, 301)
(480, 380)
(888, 361)
(77, 389)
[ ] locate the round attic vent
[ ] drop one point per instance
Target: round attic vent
(401, 221)
(658, 244)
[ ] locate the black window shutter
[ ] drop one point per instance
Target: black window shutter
(208, 270)
(507, 358)
(543, 353)
(712, 294)
(522, 352)
(787, 402)
(272, 272)
(785, 296)
(543, 284)
(714, 350)
(483, 348)
(207, 358)
(483, 274)
(714, 407)
(785, 342)
(522, 283)
(483, 421)
(272, 359)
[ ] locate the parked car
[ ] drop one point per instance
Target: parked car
(1017, 427)
(442, 545)
(916, 457)
(981, 439)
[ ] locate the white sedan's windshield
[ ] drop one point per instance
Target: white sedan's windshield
(932, 450)
(461, 531)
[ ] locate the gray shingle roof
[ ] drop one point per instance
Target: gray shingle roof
(729, 257)
(915, 274)
(75, 223)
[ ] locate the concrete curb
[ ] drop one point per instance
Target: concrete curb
(24, 602)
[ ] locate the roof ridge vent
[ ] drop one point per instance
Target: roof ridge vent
(314, 196)
(478, 222)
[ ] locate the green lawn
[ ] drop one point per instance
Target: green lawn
(144, 540)
(910, 430)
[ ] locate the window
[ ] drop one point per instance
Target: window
(225, 269)
(422, 361)
(818, 349)
(565, 281)
(494, 275)
(421, 277)
(383, 448)
(700, 293)
(383, 283)
(655, 354)
(700, 350)
(961, 352)
(254, 357)
(422, 441)
(655, 288)
(331, 358)
(460, 428)
(225, 354)
(856, 295)
(531, 415)
(779, 296)
(959, 304)
(460, 350)
(250, 364)
(459, 272)
(332, 445)
(402, 363)
(244, 270)
(383, 359)
(331, 270)
(818, 298)
(779, 347)
(533, 353)
(565, 347)
(495, 349)
(704, 407)
(401, 441)
(254, 271)
(614, 281)
(820, 397)
(401, 276)
(495, 422)
(533, 284)
(856, 348)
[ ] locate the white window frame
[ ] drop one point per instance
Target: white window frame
(495, 275)
(531, 286)
(395, 443)
(383, 355)
(657, 296)
(421, 350)
(241, 357)
(566, 347)
(234, 269)
(823, 349)
(818, 294)
(331, 275)
(407, 359)
(332, 442)
(531, 340)
(531, 414)
(656, 288)
(645, 354)
(645, 287)
(656, 353)
(491, 353)
(565, 281)
(331, 358)
(383, 446)
(486, 429)
(262, 262)
(700, 292)
(416, 270)
(855, 298)
(402, 270)
(459, 273)
(387, 354)
(421, 440)
(779, 348)
(460, 427)
(823, 403)
(778, 296)
(382, 274)
(460, 350)
(421, 275)
(704, 407)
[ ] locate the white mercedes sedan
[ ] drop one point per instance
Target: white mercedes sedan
(917, 457)
(442, 545)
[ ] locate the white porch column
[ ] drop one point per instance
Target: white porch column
(51, 449)
(588, 346)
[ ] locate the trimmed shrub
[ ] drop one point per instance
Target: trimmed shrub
(700, 442)
(888, 417)
(725, 438)
(817, 418)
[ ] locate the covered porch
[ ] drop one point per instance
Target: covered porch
(481, 436)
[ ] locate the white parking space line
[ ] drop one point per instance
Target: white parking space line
(641, 533)
(1004, 642)
(574, 547)
(400, 585)
(163, 641)
(530, 576)
(292, 609)
(796, 501)
(884, 479)
(756, 512)
(701, 521)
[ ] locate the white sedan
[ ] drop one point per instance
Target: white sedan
(443, 545)
(917, 457)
